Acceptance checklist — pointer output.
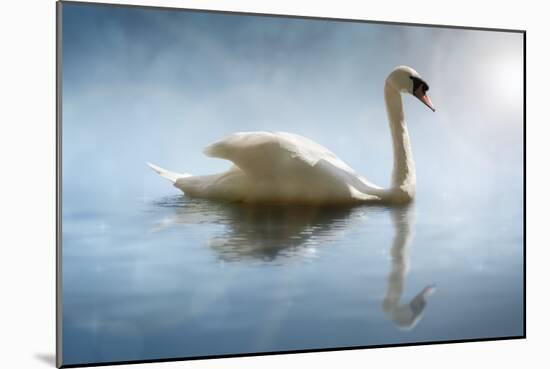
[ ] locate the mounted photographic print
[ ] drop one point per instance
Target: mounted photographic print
(238, 184)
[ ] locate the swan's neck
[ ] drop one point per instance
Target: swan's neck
(403, 183)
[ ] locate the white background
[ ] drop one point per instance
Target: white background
(27, 180)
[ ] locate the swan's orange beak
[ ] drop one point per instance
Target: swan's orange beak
(420, 94)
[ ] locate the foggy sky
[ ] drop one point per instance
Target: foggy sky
(155, 85)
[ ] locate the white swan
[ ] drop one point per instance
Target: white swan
(282, 167)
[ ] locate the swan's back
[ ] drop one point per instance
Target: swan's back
(252, 151)
(284, 167)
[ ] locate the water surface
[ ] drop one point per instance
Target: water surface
(177, 277)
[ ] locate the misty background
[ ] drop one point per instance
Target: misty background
(154, 85)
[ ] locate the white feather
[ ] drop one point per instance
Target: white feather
(171, 176)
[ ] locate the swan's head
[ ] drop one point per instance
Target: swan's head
(406, 80)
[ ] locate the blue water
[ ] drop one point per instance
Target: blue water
(174, 277)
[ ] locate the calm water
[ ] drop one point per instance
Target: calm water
(177, 277)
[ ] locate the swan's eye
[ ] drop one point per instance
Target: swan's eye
(417, 82)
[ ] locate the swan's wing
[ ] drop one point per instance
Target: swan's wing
(278, 154)
(254, 152)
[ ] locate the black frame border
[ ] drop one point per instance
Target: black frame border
(58, 157)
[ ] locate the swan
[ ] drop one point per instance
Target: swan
(285, 168)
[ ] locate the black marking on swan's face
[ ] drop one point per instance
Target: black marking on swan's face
(418, 82)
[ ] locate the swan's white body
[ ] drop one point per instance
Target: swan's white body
(281, 167)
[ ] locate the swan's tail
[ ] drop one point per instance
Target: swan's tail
(171, 176)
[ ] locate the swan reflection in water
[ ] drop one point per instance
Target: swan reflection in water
(267, 233)
(404, 316)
